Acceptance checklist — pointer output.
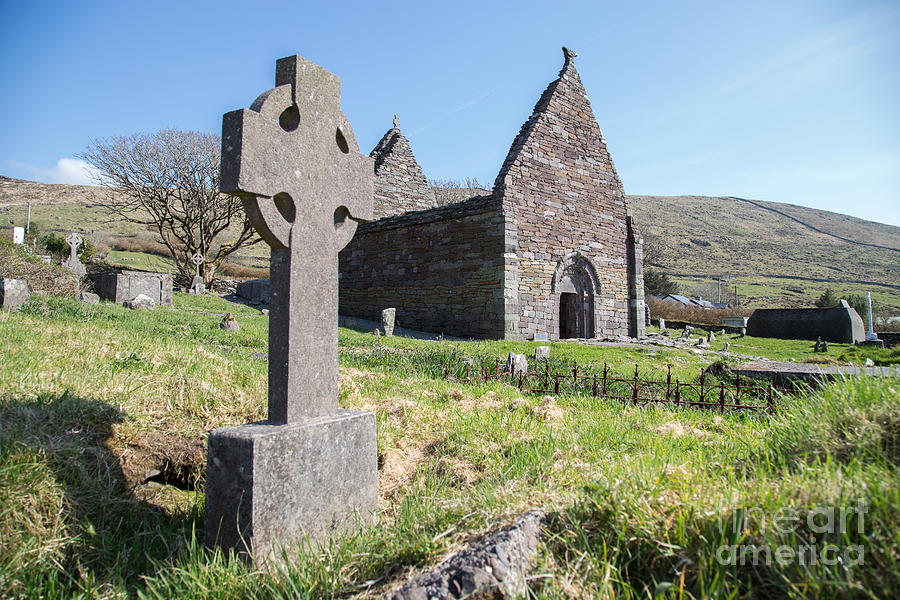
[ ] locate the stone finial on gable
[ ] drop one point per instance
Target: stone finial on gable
(396, 121)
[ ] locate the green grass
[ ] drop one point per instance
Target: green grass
(140, 261)
(640, 498)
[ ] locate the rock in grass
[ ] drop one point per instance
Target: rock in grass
(89, 298)
(229, 323)
(140, 302)
(494, 567)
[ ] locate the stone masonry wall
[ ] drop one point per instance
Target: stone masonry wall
(560, 188)
(442, 269)
(400, 184)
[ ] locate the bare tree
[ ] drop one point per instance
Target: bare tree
(169, 181)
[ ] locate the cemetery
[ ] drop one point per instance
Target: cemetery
(212, 448)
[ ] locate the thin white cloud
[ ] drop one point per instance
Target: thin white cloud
(464, 106)
(67, 170)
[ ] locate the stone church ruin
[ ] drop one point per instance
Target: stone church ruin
(552, 251)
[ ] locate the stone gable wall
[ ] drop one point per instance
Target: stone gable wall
(400, 184)
(442, 269)
(560, 188)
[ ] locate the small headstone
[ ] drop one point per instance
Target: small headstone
(818, 346)
(72, 263)
(387, 321)
(727, 346)
(743, 331)
(541, 353)
(825, 346)
(265, 312)
(89, 298)
(18, 235)
(229, 323)
(711, 337)
(662, 323)
(688, 332)
(140, 302)
(13, 293)
(376, 332)
(870, 362)
(647, 315)
(721, 332)
(516, 364)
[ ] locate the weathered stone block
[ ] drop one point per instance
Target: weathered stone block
(13, 293)
(122, 285)
(315, 478)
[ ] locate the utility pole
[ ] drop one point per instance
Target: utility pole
(27, 216)
(718, 290)
(736, 303)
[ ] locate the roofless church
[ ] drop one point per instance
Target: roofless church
(552, 250)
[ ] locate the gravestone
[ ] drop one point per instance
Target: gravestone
(662, 323)
(72, 263)
(387, 321)
(197, 285)
(541, 353)
(516, 364)
(13, 293)
(310, 470)
(18, 235)
(120, 285)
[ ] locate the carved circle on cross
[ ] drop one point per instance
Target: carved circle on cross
(198, 260)
(74, 240)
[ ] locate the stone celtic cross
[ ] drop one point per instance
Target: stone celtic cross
(294, 161)
(198, 260)
(73, 240)
(76, 266)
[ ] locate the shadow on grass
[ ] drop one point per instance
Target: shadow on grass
(101, 532)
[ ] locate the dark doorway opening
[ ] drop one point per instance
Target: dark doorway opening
(568, 319)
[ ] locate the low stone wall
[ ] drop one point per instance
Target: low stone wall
(441, 269)
(840, 324)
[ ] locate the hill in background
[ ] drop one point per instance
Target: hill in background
(775, 254)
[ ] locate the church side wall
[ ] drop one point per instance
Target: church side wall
(442, 270)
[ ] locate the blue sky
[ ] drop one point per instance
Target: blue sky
(793, 102)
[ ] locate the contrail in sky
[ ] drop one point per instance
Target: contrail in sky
(472, 102)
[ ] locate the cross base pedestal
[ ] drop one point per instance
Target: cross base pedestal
(271, 486)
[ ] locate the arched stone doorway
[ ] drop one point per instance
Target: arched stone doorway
(575, 285)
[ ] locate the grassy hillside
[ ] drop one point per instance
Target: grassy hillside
(642, 500)
(777, 254)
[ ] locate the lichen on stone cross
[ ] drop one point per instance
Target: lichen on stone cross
(73, 240)
(294, 161)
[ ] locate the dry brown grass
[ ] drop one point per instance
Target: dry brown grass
(672, 311)
(52, 279)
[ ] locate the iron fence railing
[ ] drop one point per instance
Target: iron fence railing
(721, 396)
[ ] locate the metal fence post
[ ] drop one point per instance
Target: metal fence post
(721, 397)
